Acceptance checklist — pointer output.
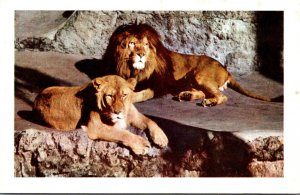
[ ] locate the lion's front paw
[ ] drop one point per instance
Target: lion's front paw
(159, 138)
(143, 95)
(140, 146)
(148, 94)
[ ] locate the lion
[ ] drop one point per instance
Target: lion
(103, 108)
(136, 51)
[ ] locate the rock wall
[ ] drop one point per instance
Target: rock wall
(230, 37)
(195, 154)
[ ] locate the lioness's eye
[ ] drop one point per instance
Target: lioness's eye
(146, 44)
(124, 95)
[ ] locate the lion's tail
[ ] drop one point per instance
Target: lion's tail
(233, 84)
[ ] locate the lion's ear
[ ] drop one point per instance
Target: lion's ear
(132, 82)
(97, 82)
(123, 44)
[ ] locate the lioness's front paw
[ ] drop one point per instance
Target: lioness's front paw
(140, 146)
(159, 138)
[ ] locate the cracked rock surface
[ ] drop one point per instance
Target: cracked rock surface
(50, 153)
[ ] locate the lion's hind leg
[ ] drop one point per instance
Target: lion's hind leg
(191, 95)
(214, 101)
(214, 95)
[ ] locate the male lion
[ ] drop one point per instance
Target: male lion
(103, 108)
(135, 51)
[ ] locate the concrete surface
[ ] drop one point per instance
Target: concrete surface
(245, 117)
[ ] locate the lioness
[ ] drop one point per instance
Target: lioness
(135, 50)
(103, 108)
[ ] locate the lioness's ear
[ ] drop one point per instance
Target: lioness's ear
(132, 82)
(97, 82)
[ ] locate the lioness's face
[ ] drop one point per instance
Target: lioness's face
(113, 95)
(138, 51)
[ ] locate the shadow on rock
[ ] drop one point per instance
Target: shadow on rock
(94, 68)
(200, 152)
(270, 48)
(33, 81)
(278, 99)
(31, 117)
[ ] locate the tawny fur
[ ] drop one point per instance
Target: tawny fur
(103, 108)
(188, 77)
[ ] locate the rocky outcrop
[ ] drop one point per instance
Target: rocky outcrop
(240, 40)
(226, 36)
(194, 154)
(229, 37)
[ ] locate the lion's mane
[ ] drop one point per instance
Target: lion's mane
(159, 65)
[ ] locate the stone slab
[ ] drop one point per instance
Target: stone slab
(246, 117)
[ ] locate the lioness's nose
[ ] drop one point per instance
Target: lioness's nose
(117, 112)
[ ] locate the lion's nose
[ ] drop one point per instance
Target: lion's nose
(140, 54)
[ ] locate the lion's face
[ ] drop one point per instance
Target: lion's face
(135, 55)
(138, 51)
(113, 96)
(135, 52)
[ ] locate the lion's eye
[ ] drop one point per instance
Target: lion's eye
(146, 44)
(131, 44)
(124, 95)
